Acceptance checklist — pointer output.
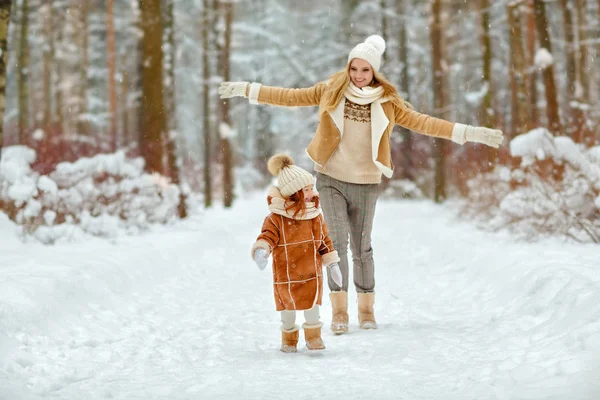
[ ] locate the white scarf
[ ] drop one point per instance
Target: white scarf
(366, 95)
(278, 204)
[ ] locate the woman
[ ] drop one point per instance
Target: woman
(358, 108)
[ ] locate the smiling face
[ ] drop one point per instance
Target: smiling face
(361, 73)
(308, 192)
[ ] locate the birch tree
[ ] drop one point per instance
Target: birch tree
(22, 74)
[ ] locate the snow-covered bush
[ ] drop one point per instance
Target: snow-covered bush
(553, 188)
(98, 195)
(402, 189)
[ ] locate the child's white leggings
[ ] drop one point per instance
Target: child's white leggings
(288, 318)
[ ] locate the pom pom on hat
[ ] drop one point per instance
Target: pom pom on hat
(377, 41)
(370, 50)
(279, 162)
(290, 177)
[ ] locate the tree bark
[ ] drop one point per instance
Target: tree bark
(407, 137)
(487, 106)
(125, 136)
(532, 93)
(111, 61)
(170, 113)
(584, 71)
(22, 74)
(439, 95)
(4, 23)
(517, 71)
(552, 111)
(48, 63)
(226, 145)
(82, 124)
(153, 110)
(206, 104)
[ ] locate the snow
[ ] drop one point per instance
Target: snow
(181, 312)
(103, 193)
(543, 58)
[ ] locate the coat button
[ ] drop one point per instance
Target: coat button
(300, 246)
(301, 276)
(293, 265)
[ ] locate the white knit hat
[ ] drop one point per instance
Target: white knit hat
(290, 177)
(371, 51)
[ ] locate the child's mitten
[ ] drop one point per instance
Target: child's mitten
(260, 258)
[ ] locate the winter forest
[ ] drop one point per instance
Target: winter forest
(129, 88)
(124, 179)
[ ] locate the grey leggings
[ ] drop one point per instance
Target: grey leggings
(349, 209)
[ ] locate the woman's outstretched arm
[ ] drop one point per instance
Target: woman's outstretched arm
(458, 133)
(260, 94)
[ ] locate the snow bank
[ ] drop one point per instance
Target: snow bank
(105, 195)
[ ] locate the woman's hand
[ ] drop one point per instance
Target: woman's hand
(478, 134)
(232, 89)
(333, 270)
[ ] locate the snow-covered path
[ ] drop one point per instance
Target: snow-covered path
(183, 313)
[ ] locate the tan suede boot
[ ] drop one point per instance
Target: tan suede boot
(366, 314)
(339, 308)
(312, 335)
(289, 341)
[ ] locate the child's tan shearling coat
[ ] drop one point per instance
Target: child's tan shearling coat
(300, 248)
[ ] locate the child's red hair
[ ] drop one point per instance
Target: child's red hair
(295, 203)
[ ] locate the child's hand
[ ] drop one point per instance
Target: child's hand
(334, 272)
(260, 258)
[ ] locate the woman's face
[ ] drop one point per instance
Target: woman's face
(309, 192)
(361, 73)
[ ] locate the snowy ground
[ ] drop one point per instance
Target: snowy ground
(183, 313)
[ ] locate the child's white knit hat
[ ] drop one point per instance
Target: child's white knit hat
(290, 177)
(370, 50)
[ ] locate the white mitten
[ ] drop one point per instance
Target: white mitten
(260, 258)
(333, 270)
(232, 89)
(466, 133)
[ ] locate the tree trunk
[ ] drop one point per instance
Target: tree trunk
(170, 113)
(384, 25)
(4, 22)
(206, 104)
(226, 145)
(152, 105)
(48, 63)
(552, 110)
(82, 125)
(575, 118)
(584, 71)
(23, 67)
(58, 104)
(111, 60)
(517, 71)
(487, 106)
(126, 140)
(439, 95)
(532, 94)
(407, 168)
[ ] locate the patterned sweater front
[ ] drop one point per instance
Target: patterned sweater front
(352, 161)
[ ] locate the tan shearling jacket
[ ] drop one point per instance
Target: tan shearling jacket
(328, 135)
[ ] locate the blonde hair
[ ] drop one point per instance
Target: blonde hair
(338, 82)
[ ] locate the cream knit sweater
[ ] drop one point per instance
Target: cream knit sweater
(352, 162)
